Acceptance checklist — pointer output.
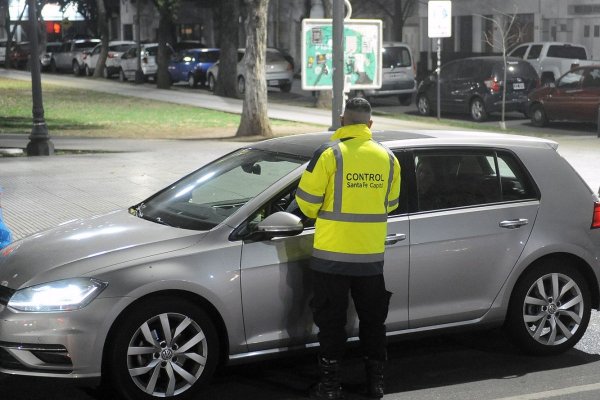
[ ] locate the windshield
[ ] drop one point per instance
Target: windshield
(206, 197)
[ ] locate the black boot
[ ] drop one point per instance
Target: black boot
(375, 385)
(329, 387)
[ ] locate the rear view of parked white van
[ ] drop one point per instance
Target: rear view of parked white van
(398, 74)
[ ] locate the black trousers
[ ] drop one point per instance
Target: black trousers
(330, 304)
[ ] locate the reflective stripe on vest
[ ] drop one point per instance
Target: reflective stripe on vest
(310, 198)
(346, 217)
(343, 257)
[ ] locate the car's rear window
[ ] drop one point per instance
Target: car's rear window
(394, 57)
(120, 47)
(209, 56)
(151, 51)
(520, 69)
(564, 51)
(85, 45)
(273, 56)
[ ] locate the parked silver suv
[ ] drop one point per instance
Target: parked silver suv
(213, 268)
(398, 74)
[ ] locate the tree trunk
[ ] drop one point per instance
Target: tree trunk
(165, 24)
(103, 28)
(229, 17)
(254, 111)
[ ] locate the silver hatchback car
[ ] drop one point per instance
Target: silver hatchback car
(213, 268)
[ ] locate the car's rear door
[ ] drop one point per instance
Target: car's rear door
(473, 217)
(560, 104)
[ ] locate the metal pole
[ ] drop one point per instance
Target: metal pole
(338, 64)
(39, 140)
(139, 74)
(439, 65)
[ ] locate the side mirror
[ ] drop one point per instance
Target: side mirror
(280, 223)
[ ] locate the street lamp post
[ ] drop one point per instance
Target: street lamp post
(139, 74)
(39, 140)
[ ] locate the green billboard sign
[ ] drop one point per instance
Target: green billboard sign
(362, 54)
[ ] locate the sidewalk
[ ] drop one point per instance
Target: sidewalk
(43, 192)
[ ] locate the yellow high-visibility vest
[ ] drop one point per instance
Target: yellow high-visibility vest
(349, 187)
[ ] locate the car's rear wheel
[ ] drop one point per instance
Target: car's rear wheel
(549, 308)
(424, 105)
(286, 87)
(76, 69)
(163, 347)
(122, 76)
(538, 115)
(241, 85)
(212, 83)
(478, 111)
(192, 82)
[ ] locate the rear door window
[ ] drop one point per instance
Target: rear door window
(464, 178)
(535, 51)
(395, 57)
(563, 51)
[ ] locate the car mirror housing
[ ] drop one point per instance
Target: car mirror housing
(280, 223)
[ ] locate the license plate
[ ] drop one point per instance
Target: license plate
(518, 86)
(273, 82)
(395, 75)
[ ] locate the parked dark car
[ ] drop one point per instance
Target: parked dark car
(574, 97)
(474, 86)
(191, 65)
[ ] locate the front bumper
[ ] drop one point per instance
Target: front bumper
(60, 344)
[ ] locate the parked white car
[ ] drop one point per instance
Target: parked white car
(46, 56)
(70, 55)
(115, 51)
(279, 72)
(128, 62)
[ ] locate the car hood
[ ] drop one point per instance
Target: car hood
(79, 247)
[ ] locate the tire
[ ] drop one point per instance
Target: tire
(88, 71)
(424, 105)
(122, 76)
(75, 68)
(538, 115)
(405, 99)
(53, 68)
(212, 83)
(241, 85)
(179, 366)
(286, 87)
(192, 82)
(543, 320)
(478, 112)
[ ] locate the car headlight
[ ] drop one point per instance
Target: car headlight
(64, 295)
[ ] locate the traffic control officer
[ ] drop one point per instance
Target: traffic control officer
(349, 187)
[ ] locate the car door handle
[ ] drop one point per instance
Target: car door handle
(394, 238)
(514, 223)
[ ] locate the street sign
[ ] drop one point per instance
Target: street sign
(362, 54)
(439, 19)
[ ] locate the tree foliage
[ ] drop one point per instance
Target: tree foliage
(397, 11)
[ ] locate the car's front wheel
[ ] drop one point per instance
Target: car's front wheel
(549, 308)
(192, 82)
(424, 105)
(241, 86)
(478, 111)
(538, 115)
(162, 347)
(212, 83)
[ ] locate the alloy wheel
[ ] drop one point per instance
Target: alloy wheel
(167, 354)
(553, 309)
